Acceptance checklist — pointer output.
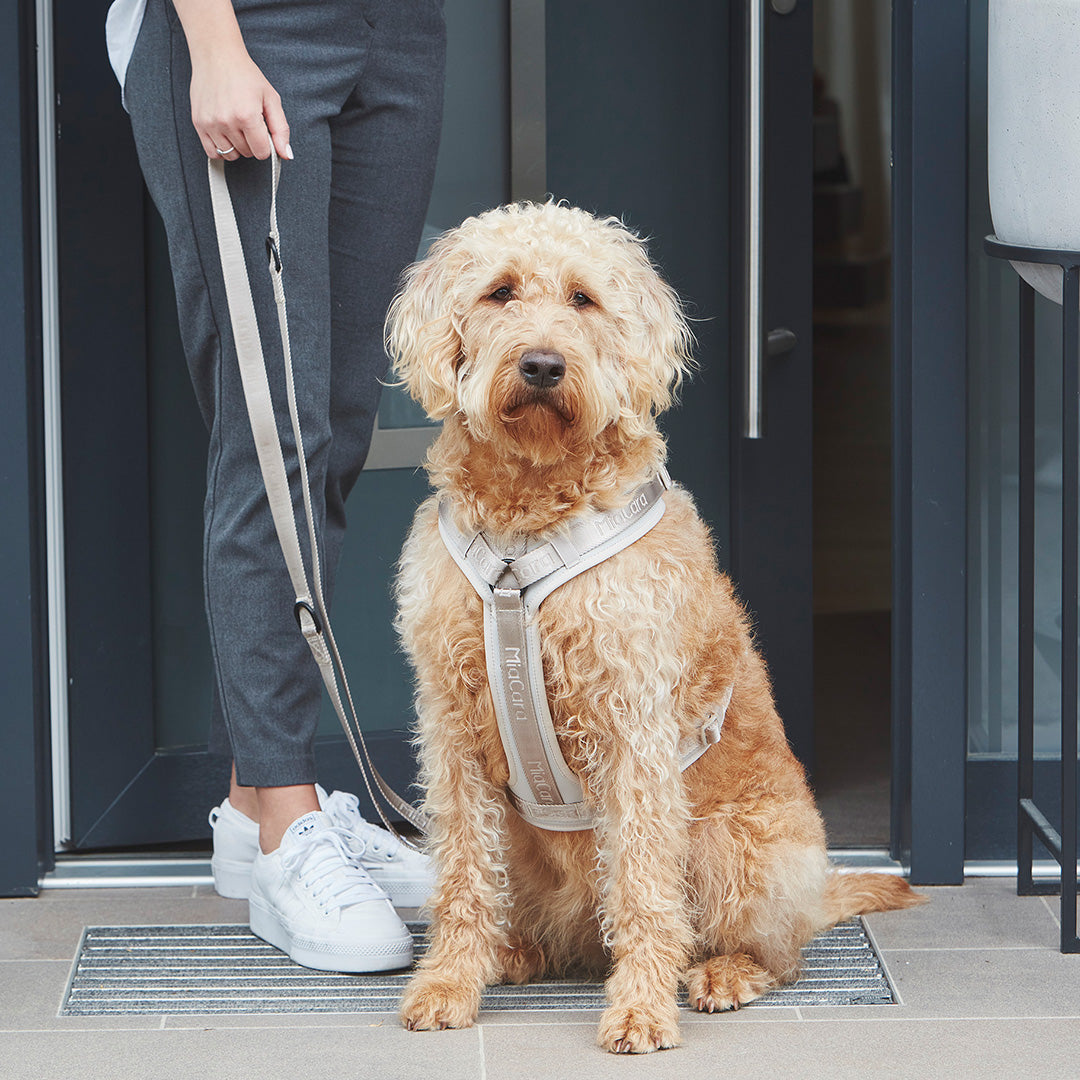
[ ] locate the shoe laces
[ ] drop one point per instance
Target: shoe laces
(343, 808)
(330, 871)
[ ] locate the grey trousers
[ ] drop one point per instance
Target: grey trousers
(361, 85)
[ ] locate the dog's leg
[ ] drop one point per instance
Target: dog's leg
(469, 906)
(643, 845)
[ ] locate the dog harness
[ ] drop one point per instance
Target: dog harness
(513, 584)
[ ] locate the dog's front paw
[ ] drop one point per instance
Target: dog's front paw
(433, 1002)
(638, 1030)
(726, 982)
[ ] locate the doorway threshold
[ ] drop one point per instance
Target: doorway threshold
(855, 860)
(127, 872)
(154, 871)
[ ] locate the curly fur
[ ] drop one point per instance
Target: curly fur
(714, 877)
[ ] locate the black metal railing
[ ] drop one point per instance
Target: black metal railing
(1031, 821)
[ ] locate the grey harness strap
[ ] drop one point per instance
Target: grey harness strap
(543, 788)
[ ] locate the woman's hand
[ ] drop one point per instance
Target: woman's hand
(235, 110)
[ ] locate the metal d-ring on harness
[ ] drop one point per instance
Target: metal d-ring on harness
(543, 788)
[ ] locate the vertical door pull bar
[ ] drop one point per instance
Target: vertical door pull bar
(754, 261)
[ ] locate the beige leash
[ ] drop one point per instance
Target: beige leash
(309, 607)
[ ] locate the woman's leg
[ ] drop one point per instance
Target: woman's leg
(384, 145)
(382, 132)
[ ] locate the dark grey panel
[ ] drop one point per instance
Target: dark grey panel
(772, 533)
(104, 395)
(637, 127)
(930, 431)
(24, 791)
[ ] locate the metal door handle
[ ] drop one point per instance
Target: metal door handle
(780, 341)
(759, 345)
(754, 253)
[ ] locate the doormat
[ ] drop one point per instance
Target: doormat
(169, 970)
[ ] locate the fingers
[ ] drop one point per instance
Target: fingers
(250, 138)
(217, 145)
(234, 140)
(277, 125)
(238, 113)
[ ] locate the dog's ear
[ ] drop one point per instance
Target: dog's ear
(421, 332)
(664, 339)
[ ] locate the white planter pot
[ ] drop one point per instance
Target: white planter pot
(1033, 137)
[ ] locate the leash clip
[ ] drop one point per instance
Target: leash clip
(302, 606)
(272, 255)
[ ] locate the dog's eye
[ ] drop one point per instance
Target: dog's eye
(580, 299)
(502, 294)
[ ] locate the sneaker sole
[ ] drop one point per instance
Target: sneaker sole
(404, 894)
(381, 956)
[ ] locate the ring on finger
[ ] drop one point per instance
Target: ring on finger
(228, 150)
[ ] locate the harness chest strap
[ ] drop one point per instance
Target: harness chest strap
(543, 788)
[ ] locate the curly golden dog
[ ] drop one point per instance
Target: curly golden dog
(714, 877)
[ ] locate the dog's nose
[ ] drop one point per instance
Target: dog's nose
(541, 368)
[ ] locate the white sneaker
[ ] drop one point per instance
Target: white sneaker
(236, 843)
(405, 875)
(312, 899)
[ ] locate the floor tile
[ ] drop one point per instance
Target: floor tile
(969, 966)
(148, 894)
(49, 927)
(225, 1021)
(591, 1017)
(984, 913)
(285, 1052)
(891, 1050)
(980, 983)
(30, 995)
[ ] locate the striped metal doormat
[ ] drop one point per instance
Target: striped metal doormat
(167, 970)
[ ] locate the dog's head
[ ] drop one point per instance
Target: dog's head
(540, 324)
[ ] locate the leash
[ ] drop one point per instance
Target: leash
(310, 607)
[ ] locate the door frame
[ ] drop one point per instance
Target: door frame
(25, 850)
(771, 479)
(929, 691)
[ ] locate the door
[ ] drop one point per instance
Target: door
(647, 115)
(138, 658)
(636, 111)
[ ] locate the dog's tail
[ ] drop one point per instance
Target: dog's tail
(858, 894)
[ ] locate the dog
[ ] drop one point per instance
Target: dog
(547, 343)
